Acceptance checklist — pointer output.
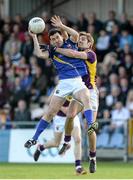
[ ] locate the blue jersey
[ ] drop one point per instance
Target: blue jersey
(68, 67)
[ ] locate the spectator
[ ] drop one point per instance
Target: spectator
(82, 23)
(111, 21)
(5, 119)
(113, 97)
(91, 30)
(27, 47)
(131, 25)
(102, 100)
(12, 41)
(26, 79)
(124, 23)
(22, 113)
(126, 38)
(18, 33)
(113, 80)
(124, 86)
(3, 93)
(102, 45)
(128, 65)
(114, 38)
(92, 20)
(6, 31)
(129, 98)
(122, 72)
(17, 93)
(126, 51)
(119, 115)
(39, 84)
(15, 54)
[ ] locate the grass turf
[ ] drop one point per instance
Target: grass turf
(105, 170)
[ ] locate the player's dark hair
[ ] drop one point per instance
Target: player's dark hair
(54, 31)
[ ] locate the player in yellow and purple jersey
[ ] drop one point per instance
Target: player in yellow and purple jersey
(87, 55)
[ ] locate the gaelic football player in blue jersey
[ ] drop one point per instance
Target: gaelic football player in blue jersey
(70, 82)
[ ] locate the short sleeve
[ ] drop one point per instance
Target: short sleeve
(91, 56)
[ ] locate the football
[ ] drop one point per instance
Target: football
(36, 25)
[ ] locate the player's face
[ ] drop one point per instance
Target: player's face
(56, 40)
(83, 42)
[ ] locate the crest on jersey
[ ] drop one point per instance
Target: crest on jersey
(69, 46)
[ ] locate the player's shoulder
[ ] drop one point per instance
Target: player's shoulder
(91, 52)
(91, 55)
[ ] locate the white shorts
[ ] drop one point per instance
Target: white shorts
(59, 123)
(69, 87)
(94, 99)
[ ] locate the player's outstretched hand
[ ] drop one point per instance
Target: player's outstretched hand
(56, 21)
(31, 33)
(44, 47)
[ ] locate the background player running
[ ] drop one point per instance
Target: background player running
(58, 127)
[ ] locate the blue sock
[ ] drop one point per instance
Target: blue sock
(40, 128)
(89, 116)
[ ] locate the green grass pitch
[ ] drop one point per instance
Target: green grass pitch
(105, 170)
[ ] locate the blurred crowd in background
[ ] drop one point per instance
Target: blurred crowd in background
(26, 81)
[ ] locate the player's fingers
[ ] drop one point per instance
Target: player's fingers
(53, 21)
(56, 17)
(29, 31)
(59, 18)
(53, 24)
(53, 18)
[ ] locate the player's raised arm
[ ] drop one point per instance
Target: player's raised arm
(38, 52)
(64, 34)
(56, 22)
(72, 53)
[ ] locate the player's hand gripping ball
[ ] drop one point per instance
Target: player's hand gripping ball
(36, 25)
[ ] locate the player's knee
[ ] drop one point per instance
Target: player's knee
(51, 113)
(77, 140)
(71, 115)
(57, 144)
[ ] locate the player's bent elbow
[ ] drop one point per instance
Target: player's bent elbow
(72, 54)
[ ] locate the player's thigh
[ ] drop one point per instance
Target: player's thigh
(74, 108)
(55, 104)
(83, 96)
